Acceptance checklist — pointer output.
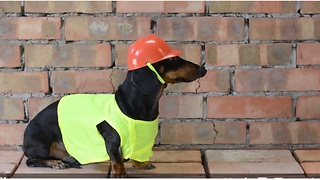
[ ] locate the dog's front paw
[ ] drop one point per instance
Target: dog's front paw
(118, 170)
(142, 165)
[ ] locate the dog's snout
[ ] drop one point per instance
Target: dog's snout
(203, 71)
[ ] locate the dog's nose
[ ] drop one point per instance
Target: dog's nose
(203, 71)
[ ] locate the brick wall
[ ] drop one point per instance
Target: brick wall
(263, 60)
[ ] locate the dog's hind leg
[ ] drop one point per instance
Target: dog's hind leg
(56, 158)
(58, 151)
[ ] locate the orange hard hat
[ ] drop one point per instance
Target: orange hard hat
(151, 49)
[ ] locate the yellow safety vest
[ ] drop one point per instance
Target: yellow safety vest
(78, 116)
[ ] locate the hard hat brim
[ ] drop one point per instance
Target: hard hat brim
(173, 53)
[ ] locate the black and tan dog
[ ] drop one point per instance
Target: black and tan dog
(88, 128)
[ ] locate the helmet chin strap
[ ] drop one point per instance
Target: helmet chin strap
(155, 71)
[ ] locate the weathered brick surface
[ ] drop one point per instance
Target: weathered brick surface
(252, 163)
(304, 79)
(230, 132)
(284, 133)
(68, 6)
(71, 55)
(11, 109)
(201, 28)
(176, 156)
(187, 133)
(248, 107)
(10, 56)
(311, 169)
(30, 28)
(308, 107)
(106, 28)
(181, 106)
(307, 155)
(248, 54)
(310, 7)
(11, 134)
(160, 7)
(82, 81)
(252, 7)
(24, 82)
(35, 105)
(284, 28)
(257, 156)
(10, 6)
(308, 54)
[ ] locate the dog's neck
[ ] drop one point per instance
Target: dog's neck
(138, 97)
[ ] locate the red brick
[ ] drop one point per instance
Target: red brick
(10, 56)
(121, 54)
(187, 133)
(248, 107)
(252, 7)
(89, 81)
(183, 87)
(249, 155)
(24, 82)
(176, 156)
(201, 28)
(213, 81)
(284, 28)
(160, 7)
(35, 105)
(13, 157)
(307, 155)
(230, 132)
(69, 55)
(311, 169)
(248, 54)
(284, 133)
(310, 7)
(189, 52)
(7, 170)
(11, 134)
(167, 170)
(68, 6)
(308, 54)
(185, 106)
(30, 28)
(117, 77)
(10, 6)
(304, 79)
(246, 170)
(106, 28)
(11, 109)
(308, 107)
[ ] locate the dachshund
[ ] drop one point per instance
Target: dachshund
(115, 126)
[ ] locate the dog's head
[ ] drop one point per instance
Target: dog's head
(176, 69)
(152, 52)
